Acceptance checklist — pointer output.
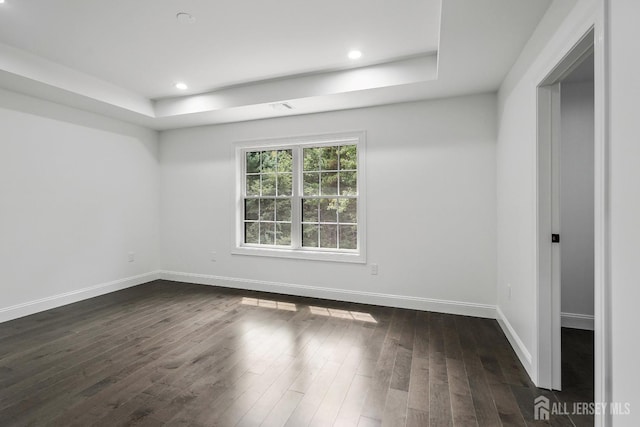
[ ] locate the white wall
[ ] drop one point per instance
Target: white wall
(576, 202)
(624, 204)
(430, 214)
(563, 25)
(77, 193)
(516, 177)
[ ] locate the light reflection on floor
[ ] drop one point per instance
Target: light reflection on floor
(343, 314)
(321, 311)
(269, 304)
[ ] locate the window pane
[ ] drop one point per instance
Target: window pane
(251, 209)
(348, 183)
(328, 236)
(284, 184)
(311, 184)
(348, 237)
(349, 157)
(269, 161)
(251, 232)
(267, 210)
(348, 211)
(269, 184)
(267, 233)
(312, 157)
(328, 210)
(283, 210)
(329, 184)
(283, 234)
(285, 161)
(310, 210)
(329, 158)
(310, 235)
(253, 161)
(326, 184)
(253, 185)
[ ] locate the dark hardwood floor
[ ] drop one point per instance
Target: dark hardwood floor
(577, 372)
(175, 354)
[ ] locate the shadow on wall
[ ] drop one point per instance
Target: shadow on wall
(26, 104)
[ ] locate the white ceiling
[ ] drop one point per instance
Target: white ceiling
(122, 57)
(140, 45)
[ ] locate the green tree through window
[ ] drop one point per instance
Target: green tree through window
(323, 202)
(329, 199)
(268, 193)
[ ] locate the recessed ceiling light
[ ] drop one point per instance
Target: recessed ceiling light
(281, 106)
(355, 54)
(181, 86)
(185, 18)
(1, 1)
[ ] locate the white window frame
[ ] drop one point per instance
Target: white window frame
(297, 251)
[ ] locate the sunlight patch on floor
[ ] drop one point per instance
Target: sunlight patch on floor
(343, 314)
(280, 305)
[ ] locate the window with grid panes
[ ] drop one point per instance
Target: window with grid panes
(302, 198)
(267, 202)
(330, 197)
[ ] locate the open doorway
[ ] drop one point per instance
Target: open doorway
(567, 228)
(547, 365)
(549, 220)
(569, 221)
(575, 201)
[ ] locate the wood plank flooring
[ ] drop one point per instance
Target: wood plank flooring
(577, 372)
(175, 354)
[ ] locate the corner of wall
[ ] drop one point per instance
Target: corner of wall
(31, 307)
(518, 346)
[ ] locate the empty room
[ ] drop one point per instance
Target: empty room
(337, 213)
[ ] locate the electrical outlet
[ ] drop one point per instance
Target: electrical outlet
(509, 291)
(374, 269)
(132, 256)
(214, 256)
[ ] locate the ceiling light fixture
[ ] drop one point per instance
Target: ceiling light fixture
(1, 1)
(185, 18)
(281, 106)
(181, 86)
(355, 54)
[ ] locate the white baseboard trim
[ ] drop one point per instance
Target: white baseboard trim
(577, 321)
(42, 304)
(518, 346)
(400, 301)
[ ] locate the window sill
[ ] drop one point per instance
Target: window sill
(301, 254)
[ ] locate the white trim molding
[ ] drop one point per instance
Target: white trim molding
(389, 300)
(577, 321)
(585, 27)
(514, 339)
(47, 303)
